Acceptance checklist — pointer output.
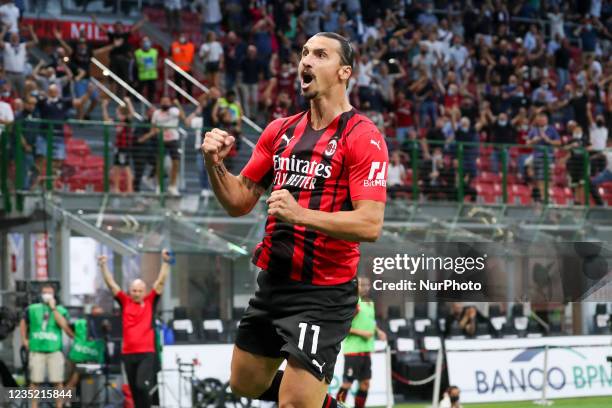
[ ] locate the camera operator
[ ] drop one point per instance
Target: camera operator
(137, 314)
(41, 334)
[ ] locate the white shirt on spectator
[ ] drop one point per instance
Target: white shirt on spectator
(169, 118)
(211, 11)
(6, 114)
(394, 175)
(9, 15)
(556, 24)
(197, 124)
(598, 137)
(365, 73)
(595, 8)
(530, 41)
(14, 57)
(173, 4)
(458, 54)
(211, 52)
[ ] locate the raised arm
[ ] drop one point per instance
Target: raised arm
(237, 194)
(3, 35)
(105, 116)
(178, 105)
(130, 106)
(95, 21)
(108, 277)
(34, 40)
(58, 36)
(139, 24)
(158, 286)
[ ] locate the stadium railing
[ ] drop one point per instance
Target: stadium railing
(497, 173)
(81, 170)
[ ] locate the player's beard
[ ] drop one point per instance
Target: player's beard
(310, 95)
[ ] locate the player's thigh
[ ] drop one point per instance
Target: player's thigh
(300, 388)
(252, 374)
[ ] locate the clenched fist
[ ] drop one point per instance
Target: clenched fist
(283, 206)
(216, 145)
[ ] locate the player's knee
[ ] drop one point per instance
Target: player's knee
(248, 389)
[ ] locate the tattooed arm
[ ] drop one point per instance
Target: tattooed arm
(237, 194)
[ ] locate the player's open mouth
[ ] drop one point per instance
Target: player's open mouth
(307, 79)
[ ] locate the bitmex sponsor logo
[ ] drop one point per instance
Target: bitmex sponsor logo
(291, 171)
(377, 176)
(523, 375)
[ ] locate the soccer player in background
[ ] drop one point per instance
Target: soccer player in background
(327, 168)
(359, 345)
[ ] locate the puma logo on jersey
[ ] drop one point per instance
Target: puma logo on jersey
(286, 138)
(375, 143)
(319, 366)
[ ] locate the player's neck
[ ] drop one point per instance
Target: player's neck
(325, 109)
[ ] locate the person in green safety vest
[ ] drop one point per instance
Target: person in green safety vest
(41, 334)
(358, 346)
(146, 65)
(84, 349)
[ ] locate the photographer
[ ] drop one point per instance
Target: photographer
(41, 334)
(137, 314)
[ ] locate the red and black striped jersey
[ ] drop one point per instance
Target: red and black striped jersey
(324, 170)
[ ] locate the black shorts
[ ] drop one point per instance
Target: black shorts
(212, 67)
(123, 157)
(172, 148)
(357, 367)
(289, 318)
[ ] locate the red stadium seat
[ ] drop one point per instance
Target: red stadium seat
(489, 177)
(77, 147)
(519, 194)
(487, 193)
(561, 195)
(483, 164)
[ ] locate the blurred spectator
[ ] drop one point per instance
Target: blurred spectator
(576, 145)
(404, 117)
(79, 63)
(500, 132)
(464, 318)
(605, 176)
(198, 121)
(14, 57)
(144, 152)
(146, 66)
(211, 16)
(166, 119)
(56, 109)
(465, 134)
(29, 132)
(9, 16)
(45, 76)
(173, 15)
(543, 137)
(252, 70)
(396, 176)
(119, 50)
(234, 52)
(231, 105)
(182, 53)
(124, 141)
(211, 53)
(598, 138)
(310, 19)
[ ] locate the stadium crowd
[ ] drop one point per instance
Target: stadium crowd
(430, 74)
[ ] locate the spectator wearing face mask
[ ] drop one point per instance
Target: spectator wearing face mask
(41, 334)
(46, 75)
(450, 399)
(598, 138)
(542, 136)
(168, 117)
(182, 53)
(501, 132)
(146, 66)
(14, 57)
